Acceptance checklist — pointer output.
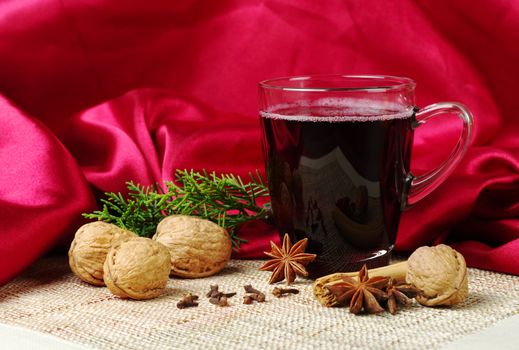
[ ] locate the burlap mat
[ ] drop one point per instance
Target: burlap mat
(49, 299)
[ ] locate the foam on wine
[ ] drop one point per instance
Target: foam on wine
(338, 110)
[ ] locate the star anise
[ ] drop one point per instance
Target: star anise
(287, 261)
(399, 294)
(360, 294)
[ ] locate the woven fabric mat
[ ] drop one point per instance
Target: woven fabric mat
(50, 299)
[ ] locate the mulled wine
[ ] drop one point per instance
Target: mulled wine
(336, 175)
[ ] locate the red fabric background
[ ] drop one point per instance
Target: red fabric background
(99, 92)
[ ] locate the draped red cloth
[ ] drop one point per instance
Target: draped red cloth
(98, 92)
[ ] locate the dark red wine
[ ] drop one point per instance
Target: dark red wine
(336, 176)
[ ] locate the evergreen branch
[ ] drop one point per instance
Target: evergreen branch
(225, 200)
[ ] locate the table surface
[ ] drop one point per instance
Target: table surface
(50, 304)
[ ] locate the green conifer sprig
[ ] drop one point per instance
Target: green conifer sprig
(224, 199)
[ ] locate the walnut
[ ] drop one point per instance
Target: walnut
(440, 273)
(198, 247)
(137, 268)
(88, 250)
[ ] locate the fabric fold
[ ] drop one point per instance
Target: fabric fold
(42, 192)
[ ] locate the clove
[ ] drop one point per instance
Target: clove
(253, 294)
(218, 298)
(188, 300)
(278, 292)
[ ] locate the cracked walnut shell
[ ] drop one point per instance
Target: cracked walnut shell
(137, 269)
(198, 247)
(88, 250)
(440, 273)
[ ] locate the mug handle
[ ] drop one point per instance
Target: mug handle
(417, 187)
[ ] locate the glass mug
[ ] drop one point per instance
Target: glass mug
(337, 153)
